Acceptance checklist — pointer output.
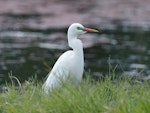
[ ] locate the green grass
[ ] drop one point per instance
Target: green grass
(107, 96)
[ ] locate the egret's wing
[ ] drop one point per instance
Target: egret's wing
(60, 71)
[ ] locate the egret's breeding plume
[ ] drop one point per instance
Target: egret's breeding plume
(70, 65)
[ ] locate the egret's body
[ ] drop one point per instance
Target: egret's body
(70, 64)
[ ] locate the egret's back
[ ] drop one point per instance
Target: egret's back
(59, 72)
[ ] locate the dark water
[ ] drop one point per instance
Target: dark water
(26, 53)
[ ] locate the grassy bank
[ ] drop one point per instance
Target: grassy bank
(108, 96)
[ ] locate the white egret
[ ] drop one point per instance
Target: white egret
(70, 65)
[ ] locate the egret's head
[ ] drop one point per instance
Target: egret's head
(77, 29)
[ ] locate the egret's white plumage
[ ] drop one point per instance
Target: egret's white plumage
(70, 65)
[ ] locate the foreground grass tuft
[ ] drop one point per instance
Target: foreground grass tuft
(108, 96)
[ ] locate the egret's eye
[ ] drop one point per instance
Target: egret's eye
(79, 28)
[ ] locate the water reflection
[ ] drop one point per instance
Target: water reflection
(26, 53)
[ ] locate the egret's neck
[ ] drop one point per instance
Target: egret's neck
(75, 44)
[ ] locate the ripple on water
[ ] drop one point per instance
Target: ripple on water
(28, 52)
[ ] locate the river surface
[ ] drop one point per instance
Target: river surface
(31, 53)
